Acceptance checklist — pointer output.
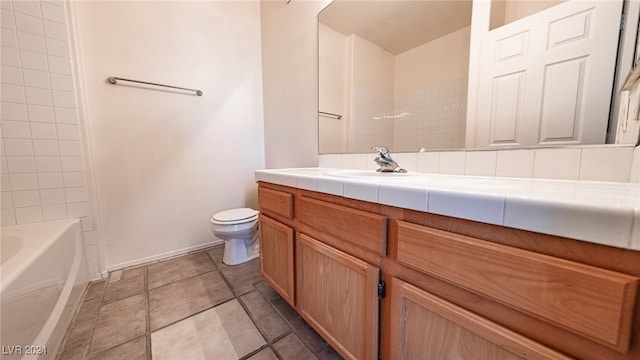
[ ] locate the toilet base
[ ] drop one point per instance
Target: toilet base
(236, 252)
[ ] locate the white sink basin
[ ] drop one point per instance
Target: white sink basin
(372, 175)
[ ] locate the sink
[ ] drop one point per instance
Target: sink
(372, 175)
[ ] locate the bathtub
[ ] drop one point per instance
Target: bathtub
(44, 274)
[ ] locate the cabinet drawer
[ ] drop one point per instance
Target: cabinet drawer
(275, 202)
(355, 226)
(592, 302)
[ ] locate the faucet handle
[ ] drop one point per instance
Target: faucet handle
(382, 150)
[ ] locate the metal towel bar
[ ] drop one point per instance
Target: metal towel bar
(330, 114)
(114, 80)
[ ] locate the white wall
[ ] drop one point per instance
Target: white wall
(164, 161)
(43, 166)
(290, 81)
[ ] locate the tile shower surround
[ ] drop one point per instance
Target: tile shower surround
(189, 307)
(42, 166)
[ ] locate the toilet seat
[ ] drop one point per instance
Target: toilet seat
(235, 216)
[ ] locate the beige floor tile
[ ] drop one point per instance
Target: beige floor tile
(179, 268)
(223, 332)
(291, 348)
(88, 310)
(264, 354)
(243, 276)
(130, 282)
(80, 334)
(265, 316)
(216, 254)
(95, 290)
(135, 349)
(184, 298)
(119, 322)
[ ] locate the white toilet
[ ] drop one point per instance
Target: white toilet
(239, 230)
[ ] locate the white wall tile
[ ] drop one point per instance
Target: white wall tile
(70, 148)
(29, 215)
(606, 163)
(9, 38)
(452, 162)
(7, 18)
(15, 130)
(87, 226)
(11, 75)
(6, 201)
(480, 163)
(43, 130)
(48, 164)
(23, 182)
(53, 12)
(407, 161)
(21, 164)
(50, 180)
(40, 113)
(62, 82)
(8, 216)
(18, 147)
(26, 198)
(59, 65)
(76, 195)
(57, 47)
(29, 24)
(70, 116)
(72, 163)
(515, 163)
(37, 96)
(53, 197)
(9, 56)
(13, 111)
(55, 30)
(5, 184)
(46, 147)
(29, 7)
(31, 42)
(557, 164)
(74, 179)
(428, 162)
(68, 131)
(36, 78)
(78, 209)
(54, 212)
(13, 93)
(65, 99)
(33, 60)
(634, 177)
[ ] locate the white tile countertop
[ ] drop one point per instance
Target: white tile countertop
(606, 213)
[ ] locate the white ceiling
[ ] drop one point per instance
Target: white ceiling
(397, 25)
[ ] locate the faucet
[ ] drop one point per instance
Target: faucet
(387, 164)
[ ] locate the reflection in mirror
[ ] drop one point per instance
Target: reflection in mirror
(396, 72)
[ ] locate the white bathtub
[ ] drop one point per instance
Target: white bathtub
(44, 273)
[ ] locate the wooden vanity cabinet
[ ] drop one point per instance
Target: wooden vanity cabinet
(454, 288)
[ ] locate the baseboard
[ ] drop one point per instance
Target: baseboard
(159, 257)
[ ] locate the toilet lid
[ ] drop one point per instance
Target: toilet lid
(235, 215)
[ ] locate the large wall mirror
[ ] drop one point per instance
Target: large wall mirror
(399, 73)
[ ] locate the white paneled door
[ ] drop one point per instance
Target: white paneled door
(547, 79)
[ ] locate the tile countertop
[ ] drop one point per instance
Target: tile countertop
(606, 213)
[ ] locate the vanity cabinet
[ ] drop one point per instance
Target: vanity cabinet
(337, 294)
(425, 326)
(455, 288)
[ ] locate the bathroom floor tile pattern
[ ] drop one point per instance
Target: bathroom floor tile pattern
(189, 307)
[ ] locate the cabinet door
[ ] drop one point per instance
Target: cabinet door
(424, 326)
(337, 294)
(276, 257)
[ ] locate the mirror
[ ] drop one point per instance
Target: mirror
(396, 73)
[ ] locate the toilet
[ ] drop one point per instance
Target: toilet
(239, 230)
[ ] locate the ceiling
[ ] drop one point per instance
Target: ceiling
(397, 25)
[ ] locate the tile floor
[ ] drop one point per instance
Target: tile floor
(189, 307)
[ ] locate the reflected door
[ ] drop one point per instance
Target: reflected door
(547, 79)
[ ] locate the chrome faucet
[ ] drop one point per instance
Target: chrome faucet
(387, 164)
